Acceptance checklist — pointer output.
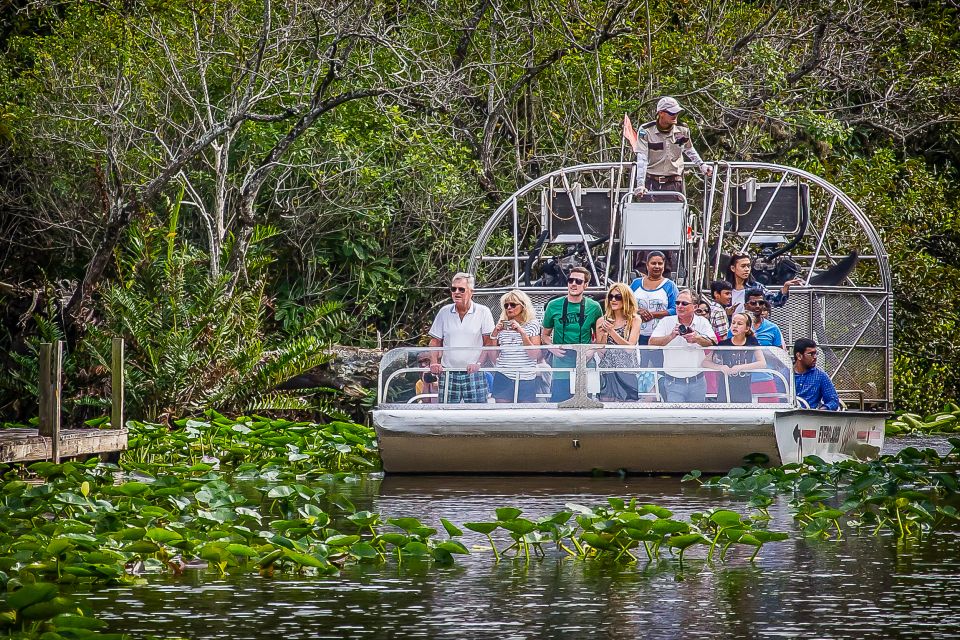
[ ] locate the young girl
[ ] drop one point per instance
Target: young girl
(735, 362)
(620, 325)
(741, 275)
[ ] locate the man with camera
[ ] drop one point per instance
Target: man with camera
(683, 337)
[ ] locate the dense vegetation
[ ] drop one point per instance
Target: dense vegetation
(233, 186)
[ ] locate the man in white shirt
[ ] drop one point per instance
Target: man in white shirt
(683, 337)
(462, 328)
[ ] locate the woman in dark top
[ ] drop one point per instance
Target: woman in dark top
(735, 363)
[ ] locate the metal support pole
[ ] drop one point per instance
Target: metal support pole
(116, 384)
(580, 399)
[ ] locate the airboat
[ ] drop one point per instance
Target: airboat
(795, 225)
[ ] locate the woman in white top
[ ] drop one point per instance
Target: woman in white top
(656, 298)
(518, 336)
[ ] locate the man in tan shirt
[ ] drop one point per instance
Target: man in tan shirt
(661, 145)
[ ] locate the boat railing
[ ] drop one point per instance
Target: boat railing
(584, 376)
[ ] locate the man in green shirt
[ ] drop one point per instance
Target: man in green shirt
(569, 320)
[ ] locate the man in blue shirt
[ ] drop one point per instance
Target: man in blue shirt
(813, 385)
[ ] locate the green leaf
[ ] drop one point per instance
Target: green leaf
(282, 491)
(598, 541)
(363, 550)
(417, 549)
(163, 536)
(726, 518)
(71, 621)
(132, 488)
(31, 594)
(508, 513)
(242, 550)
(141, 546)
(519, 526)
(396, 539)
(48, 609)
(303, 559)
(341, 540)
(482, 527)
(407, 524)
(452, 529)
(453, 546)
(687, 540)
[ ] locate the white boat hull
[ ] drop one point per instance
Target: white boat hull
(550, 440)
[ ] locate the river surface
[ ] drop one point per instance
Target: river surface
(858, 587)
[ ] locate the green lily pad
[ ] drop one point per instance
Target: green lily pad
(31, 594)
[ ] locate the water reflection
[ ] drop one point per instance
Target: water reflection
(859, 587)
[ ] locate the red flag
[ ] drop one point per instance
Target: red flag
(630, 134)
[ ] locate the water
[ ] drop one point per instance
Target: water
(859, 587)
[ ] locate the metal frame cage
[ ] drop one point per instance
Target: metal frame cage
(845, 303)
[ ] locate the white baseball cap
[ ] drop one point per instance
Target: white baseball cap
(670, 105)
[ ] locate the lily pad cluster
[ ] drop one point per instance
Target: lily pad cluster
(217, 439)
(619, 529)
(945, 421)
(906, 495)
(241, 495)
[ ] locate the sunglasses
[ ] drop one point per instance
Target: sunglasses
(614, 296)
(458, 289)
(681, 303)
(511, 305)
(575, 281)
(755, 303)
(701, 312)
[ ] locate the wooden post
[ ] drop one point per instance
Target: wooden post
(44, 390)
(116, 384)
(51, 366)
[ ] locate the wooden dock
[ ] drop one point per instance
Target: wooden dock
(27, 445)
(50, 441)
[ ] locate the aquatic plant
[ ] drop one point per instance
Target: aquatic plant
(303, 447)
(908, 494)
(615, 530)
(945, 421)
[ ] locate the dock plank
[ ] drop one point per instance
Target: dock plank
(27, 445)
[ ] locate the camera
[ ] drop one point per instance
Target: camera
(429, 378)
(683, 329)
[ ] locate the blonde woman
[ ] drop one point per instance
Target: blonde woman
(619, 325)
(518, 335)
(736, 362)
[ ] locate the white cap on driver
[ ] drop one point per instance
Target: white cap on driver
(670, 105)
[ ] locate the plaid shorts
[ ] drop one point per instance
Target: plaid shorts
(463, 387)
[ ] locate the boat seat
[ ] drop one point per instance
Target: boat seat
(654, 225)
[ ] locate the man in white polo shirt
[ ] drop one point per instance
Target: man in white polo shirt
(683, 337)
(462, 328)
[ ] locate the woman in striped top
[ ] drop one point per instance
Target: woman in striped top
(518, 336)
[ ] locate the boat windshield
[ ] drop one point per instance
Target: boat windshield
(586, 376)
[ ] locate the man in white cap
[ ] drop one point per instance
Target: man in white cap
(661, 145)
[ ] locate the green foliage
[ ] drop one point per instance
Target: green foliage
(377, 202)
(615, 531)
(908, 495)
(300, 447)
(193, 342)
(945, 421)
